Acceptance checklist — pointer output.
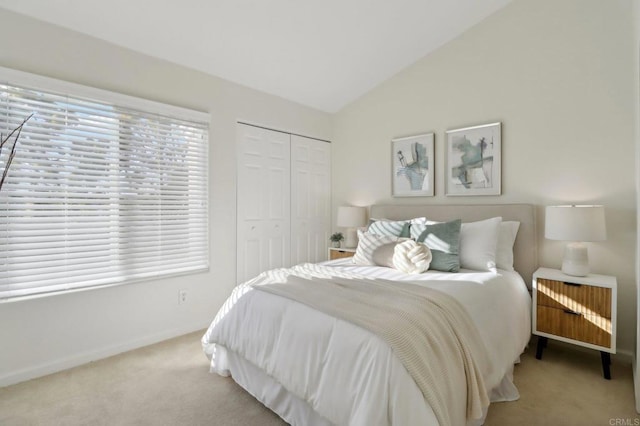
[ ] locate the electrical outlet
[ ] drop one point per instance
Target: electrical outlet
(182, 297)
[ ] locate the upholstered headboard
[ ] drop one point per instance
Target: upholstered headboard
(525, 250)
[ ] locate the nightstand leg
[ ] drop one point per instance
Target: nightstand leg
(606, 363)
(542, 343)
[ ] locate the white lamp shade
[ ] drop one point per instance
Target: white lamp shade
(575, 223)
(351, 217)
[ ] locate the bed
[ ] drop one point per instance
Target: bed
(314, 367)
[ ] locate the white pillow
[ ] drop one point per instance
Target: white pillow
(424, 221)
(478, 243)
(504, 250)
(367, 244)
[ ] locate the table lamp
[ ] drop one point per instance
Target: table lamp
(576, 224)
(351, 218)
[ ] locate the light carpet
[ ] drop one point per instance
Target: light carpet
(169, 384)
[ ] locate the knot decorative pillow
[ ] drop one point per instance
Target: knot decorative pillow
(411, 257)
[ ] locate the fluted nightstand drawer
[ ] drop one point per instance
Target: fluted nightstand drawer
(572, 325)
(585, 299)
(340, 253)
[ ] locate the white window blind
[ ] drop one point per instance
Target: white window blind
(98, 194)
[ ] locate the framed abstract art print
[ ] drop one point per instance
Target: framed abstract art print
(412, 166)
(474, 160)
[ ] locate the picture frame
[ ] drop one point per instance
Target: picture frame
(474, 160)
(412, 166)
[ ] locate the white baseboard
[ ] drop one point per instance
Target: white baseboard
(89, 356)
(636, 383)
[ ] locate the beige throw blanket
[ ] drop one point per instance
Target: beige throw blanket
(429, 331)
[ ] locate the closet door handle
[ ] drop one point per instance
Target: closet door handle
(569, 311)
(572, 284)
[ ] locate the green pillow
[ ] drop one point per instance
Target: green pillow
(444, 241)
(394, 228)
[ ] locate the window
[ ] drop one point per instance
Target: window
(99, 192)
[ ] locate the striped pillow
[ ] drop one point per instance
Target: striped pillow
(368, 244)
(396, 228)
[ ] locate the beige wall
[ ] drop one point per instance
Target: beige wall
(47, 334)
(559, 76)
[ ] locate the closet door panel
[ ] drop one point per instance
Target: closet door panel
(263, 200)
(277, 204)
(310, 197)
(321, 175)
(249, 252)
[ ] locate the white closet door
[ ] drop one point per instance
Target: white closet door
(310, 199)
(263, 201)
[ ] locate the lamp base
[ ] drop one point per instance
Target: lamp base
(351, 240)
(576, 260)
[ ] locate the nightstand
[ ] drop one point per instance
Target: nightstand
(339, 253)
(577, 310)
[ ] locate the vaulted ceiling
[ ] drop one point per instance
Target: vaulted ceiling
(319, 53)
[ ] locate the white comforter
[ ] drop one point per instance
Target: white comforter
(348, 375)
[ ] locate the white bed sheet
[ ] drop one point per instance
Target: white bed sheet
(313, 369)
